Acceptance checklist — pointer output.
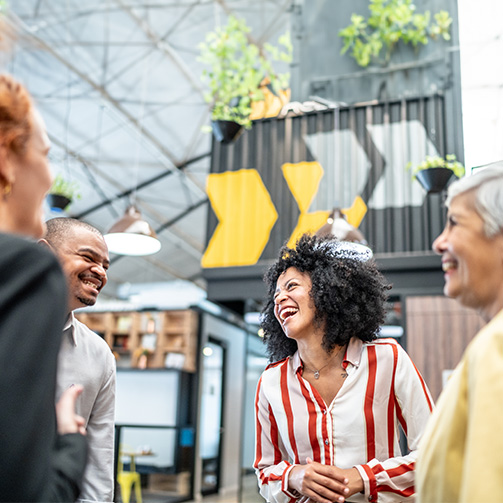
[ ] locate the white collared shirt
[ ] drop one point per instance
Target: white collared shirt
(86, 359)
(358, 429)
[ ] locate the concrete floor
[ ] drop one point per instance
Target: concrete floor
(250, 495)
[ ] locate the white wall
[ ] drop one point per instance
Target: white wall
(481, 47)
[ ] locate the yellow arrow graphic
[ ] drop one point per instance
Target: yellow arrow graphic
(303, 179)
(356, 212)
(246, 216)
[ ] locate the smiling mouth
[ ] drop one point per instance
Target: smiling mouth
(288, 312)
(92, 284)
(449, 265)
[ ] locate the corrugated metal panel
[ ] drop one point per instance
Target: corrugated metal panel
(363, 150)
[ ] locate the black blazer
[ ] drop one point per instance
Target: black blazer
(36, 464)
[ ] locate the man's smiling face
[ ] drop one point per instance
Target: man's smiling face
(84, 259)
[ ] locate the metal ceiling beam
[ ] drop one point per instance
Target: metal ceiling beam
(82, 43)
(97, 9)
(142, 185)
(83, 160)
(130, 64)
(270, 28)
(183, 214)
(185, 14)
(102, 91)
(170, 223)
(164, 47)
(107, 8)
(121, 162)
(155, 263)
(91, 166)
(250, 39)
(265, 34)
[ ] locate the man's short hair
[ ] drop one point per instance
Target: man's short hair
(61, 228)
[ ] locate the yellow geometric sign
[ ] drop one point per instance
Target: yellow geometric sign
(246, 213)
(307, 223)
(246, 216)
(356, 212)
(303, 179)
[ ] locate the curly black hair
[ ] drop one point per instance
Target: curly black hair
(349, 294)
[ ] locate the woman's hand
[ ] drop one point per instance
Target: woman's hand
(355, 481)
(321, 483)
(68, 421)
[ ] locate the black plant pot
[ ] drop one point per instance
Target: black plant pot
(57, 201)
(226, 131)
(434, 179)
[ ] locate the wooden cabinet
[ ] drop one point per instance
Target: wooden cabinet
(148, 339)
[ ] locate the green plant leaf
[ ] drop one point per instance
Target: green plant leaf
(61, 186)
(391, 22)
(237, 69)
(435, 161)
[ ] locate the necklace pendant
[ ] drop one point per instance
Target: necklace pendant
(317, 375)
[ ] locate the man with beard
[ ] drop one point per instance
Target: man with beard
(85, 357)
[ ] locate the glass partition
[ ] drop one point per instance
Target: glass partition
(256, 361)
(154, 436)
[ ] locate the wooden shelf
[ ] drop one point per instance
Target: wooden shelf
(150, 335)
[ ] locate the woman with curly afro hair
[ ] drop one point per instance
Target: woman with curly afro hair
(330, 405)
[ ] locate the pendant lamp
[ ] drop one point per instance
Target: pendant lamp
(132, 235)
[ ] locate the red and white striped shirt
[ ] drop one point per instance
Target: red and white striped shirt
(359, 428)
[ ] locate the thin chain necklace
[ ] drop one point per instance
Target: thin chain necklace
(317, 372)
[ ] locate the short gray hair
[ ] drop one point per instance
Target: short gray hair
(487, 186)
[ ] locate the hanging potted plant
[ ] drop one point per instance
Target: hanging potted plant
(237, 69)
(62, 193)
(435, 172)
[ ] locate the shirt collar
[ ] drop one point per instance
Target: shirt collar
(354, 351)
(353, 355)
(69, 328)
(296, 362)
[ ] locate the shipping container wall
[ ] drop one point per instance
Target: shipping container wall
(285, 175)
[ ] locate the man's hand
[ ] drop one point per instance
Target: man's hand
(321, 483)
(68, 421)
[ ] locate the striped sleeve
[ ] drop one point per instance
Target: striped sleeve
(270, 466)
(411, 405)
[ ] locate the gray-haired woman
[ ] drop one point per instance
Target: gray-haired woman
(460, 453)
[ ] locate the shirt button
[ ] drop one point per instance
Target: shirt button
(324, 412)
(326, 441)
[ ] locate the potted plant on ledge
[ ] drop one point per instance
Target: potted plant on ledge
(435, 172)
(237, 73)
(62, 193)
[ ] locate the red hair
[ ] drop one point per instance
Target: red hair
(15, 112)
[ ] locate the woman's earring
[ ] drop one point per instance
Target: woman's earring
(7, 189)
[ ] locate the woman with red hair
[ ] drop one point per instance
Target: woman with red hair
(39, 462)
